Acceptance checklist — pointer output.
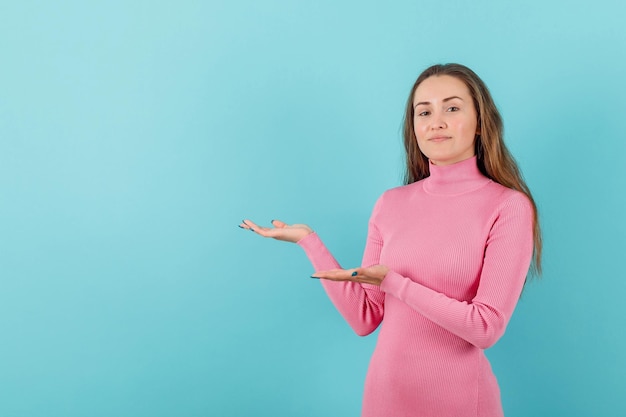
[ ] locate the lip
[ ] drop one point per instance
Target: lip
(439, 138)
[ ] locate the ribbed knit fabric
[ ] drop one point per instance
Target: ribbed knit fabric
(458, 246)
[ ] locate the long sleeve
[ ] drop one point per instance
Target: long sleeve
(458, 246)
(506, 260)
(361, 305)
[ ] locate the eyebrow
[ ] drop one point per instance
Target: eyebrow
(444, 100)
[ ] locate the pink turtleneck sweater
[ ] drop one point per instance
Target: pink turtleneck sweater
(458, 246)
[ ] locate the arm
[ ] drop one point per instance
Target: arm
(507, 257)
(361, 305)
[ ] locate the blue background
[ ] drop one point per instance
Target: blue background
(135, 135)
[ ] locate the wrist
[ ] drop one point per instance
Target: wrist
(303, 236)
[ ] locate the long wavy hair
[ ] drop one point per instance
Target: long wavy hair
(493, 158)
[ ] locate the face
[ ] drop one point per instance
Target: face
(445, 120)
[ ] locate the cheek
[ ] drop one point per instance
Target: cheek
(420, 136)
(467, 129)
(471, 126)
(419, 131)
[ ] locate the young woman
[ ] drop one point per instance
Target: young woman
(446, 258)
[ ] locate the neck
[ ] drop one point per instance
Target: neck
(458, 178)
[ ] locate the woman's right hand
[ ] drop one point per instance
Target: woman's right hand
(279, 231)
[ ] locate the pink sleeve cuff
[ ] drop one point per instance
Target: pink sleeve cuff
(399, 286)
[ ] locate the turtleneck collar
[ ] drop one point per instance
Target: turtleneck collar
(461, 177)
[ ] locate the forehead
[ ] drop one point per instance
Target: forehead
(439, 87)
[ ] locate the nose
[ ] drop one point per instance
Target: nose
(438, 122)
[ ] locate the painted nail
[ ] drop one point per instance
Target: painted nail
(354, 274)
(251, 229)
(240, 226)
(315, 277)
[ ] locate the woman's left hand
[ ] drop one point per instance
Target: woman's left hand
(372, 275)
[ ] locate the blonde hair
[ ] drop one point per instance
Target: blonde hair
(493, 158)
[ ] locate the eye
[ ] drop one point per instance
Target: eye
(453, 108)
(423, 113)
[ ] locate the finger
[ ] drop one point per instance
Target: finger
(334, 275)
(357, 275)
(364, 276)
(250, 225)
(264, 231)
(339, 278)
(334, 278)
(279, 224)
(328, 272)
(247, 224)
(370, 281)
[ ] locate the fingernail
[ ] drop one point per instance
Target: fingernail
(272, 221)
(251, 229)
(354, 274)
(240, 226)
(315, 277)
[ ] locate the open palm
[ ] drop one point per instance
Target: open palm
(279, 231)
